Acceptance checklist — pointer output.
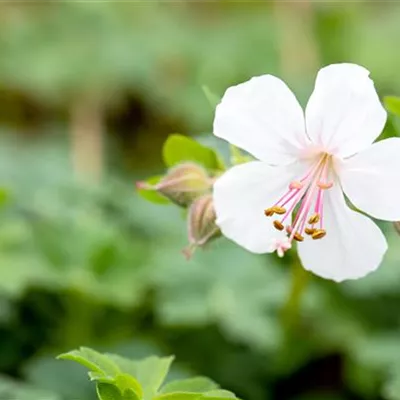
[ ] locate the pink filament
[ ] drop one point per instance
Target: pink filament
(314, 183)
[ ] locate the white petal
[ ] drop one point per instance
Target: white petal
(263, 117)
(353, 245)
(371, 179)
(344, 114)
(240, 197)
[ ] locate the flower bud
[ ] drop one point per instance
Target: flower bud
(182, 184)
(201, 224)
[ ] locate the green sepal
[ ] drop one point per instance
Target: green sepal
(151, 194)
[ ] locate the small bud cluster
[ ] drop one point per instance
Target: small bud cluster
(190, 186)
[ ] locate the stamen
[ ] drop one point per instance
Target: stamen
(269, 212)
(318, 234)
(303, 201)
(297, 236)
(295, 185)
(279, 210)
(278, 225)
(313, 219)
(323, 185)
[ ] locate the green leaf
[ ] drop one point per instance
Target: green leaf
(199, 384)
(219, 393)
(237, 157)
(241, 290)
(151, 373)
(179, 148)
(212, 98)
(150, 194)
(99, 377)
(392, 104)
(130, 394)
(106, 391)
(92, 360)
(125, 365)
(129, 384)
(178, 396)
(4, 196)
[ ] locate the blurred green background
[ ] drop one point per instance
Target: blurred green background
(89, 91)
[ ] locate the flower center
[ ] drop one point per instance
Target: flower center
(305, 201)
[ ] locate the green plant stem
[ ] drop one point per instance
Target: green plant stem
(291, 309)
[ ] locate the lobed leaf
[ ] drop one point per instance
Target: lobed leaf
(96, 362)
(219, 394)
(151, 373)
(178, 396)
(107, 391)
(179, 148)
(130, 385)
(199, 384)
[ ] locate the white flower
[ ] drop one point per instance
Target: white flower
(307, 165)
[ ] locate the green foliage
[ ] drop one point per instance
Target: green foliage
(119, 378)
(237, 156)
(235, 294)
(211, 97)
(391, 390)
(179, 148)
(94, 361)
(14, 390)
(199, 384)
(85, 265)
(392, 104)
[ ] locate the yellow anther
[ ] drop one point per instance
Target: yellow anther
(279, 210)
(278, 225)
(309, 231)
(325, 185)
(295, 185)
(313, 219)
(269, 212)
(298, 237)
(318, 234)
